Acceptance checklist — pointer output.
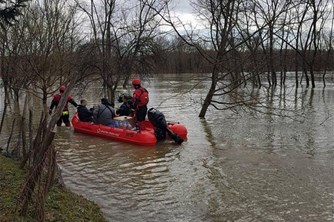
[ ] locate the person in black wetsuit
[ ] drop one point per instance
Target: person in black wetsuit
(85, 115)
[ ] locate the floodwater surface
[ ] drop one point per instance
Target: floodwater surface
(233, 167)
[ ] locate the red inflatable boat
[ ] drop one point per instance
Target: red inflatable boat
(144, 137)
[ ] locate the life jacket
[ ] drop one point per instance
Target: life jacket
(56, 99)
(143, 97)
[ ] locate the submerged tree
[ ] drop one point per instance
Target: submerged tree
(250, 42)
(224, 36)
(9, 11)
(122, 39)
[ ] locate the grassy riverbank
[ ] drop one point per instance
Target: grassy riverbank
(61, 205)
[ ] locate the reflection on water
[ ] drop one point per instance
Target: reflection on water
(232, 168)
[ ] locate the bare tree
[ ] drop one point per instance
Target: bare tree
(327, 38)
(10, 10)
(225, 37)
(43, 168)
(221, 17)
(49, 38)
(271, 13)
(38, 53)
(319, 19)
(122, 36)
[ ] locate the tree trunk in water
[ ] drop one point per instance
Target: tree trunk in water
(210, 94)
(271, 57)
(307, 79)
(126, 80)
(312, 78)
(3, 116)
(6, 102)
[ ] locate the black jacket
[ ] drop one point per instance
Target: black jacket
(124, 110)
(84, 114)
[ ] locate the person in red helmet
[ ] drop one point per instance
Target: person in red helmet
(140, 100)
(65, 116)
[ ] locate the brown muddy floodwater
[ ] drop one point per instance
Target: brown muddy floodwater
(233, 167)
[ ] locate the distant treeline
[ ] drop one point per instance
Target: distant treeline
(183, 60)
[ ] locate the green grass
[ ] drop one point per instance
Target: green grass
(61, 205)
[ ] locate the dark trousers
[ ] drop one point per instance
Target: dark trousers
(64, 118)
(141, 113)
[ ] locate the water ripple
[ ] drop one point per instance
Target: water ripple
(233, 167)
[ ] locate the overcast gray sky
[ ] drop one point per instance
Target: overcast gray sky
(183, 5)
(184, 11)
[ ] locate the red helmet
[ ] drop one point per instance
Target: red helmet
(136, 82)
(62, 88)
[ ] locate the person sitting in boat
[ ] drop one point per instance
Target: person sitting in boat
(104, 113)
(126, 108)
(140, 100)
(85, 115)
(65, 115)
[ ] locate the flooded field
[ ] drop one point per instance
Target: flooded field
(233, 167)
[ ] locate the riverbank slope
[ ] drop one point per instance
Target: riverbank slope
(61, 205)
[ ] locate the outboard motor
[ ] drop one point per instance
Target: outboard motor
(158, 120)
